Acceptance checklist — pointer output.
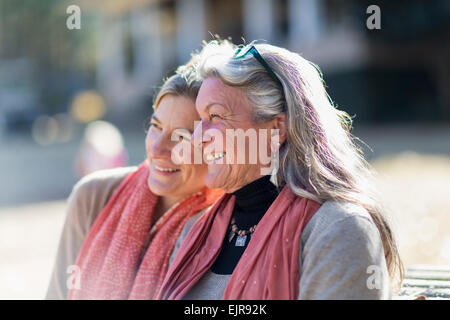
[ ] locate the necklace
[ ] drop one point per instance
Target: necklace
(242, 234)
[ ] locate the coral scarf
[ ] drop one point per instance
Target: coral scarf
(110, 260)
(269, 267)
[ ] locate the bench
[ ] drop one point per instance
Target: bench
(428, 281)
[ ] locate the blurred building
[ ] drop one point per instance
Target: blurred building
(124, 49)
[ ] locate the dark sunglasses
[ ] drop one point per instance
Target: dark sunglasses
(242, 52)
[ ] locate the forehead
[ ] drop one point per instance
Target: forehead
(176, 111)
(213, 90)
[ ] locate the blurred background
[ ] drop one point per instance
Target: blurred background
(75, 101)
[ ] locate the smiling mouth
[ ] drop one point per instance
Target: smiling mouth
(213, 157)
(166, 169)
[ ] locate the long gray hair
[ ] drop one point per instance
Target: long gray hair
(320, 159)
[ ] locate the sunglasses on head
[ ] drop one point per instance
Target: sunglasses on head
(250, 49)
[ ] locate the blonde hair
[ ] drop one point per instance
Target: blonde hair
(320, 159)
(183, 83)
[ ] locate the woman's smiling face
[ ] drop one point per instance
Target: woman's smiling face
(221, 108)
(174, 116)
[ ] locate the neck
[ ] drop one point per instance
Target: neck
(254, 199)
(164, 203)
(251, 203)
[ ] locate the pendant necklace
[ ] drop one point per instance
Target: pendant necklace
(242, 234)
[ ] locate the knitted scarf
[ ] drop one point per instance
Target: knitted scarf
(124, 256)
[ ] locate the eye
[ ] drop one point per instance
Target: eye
(182, 135)
(184, 138)
(180, 138)
(214, 115)
(155, 126)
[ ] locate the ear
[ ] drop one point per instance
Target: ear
(280, 123)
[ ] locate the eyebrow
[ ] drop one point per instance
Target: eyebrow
(156, 119)
(209, 105)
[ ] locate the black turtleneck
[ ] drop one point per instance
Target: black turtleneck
(252, 202)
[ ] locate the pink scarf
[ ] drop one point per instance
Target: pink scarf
(269, 267)
(110, 258)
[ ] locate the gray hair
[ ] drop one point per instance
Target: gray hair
(320, 159)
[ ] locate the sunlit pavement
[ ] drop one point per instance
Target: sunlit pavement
(29, 237)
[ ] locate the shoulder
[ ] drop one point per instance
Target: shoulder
(335, 217)
(104, 177)
(342, 233)
(339, 246)
(87, 199)
(101, 181)
(91, 193)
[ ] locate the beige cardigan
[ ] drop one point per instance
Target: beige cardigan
(87, 199)
(337, 246)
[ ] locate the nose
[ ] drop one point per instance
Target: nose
(197, 136)
(160, 148)
(200, 136)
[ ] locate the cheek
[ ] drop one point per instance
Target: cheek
(195, 173)
(183, 153)
(149, 139)
(189, 156)
(218, 133)
(202, 170)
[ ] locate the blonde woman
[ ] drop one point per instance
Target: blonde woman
(318, 232)
(122, 224)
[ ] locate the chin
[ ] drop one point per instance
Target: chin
(158, 188)
(215, 181)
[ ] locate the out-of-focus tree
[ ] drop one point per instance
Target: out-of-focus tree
(63, 60)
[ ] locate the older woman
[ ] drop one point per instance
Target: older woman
(122, 224)
(318, 232)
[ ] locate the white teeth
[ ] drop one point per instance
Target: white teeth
(165, 169)
(211, 157)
